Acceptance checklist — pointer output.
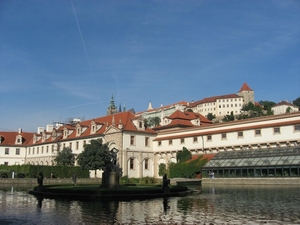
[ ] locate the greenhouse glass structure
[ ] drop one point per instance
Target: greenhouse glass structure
(276, 162)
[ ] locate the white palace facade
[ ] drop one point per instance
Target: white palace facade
(141, 149)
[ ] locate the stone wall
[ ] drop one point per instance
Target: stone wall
(253, 181)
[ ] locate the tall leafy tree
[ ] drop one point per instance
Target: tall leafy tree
(95, 156)
(65, 157)
(267, 105)
(297, 102)
(162, 169)
(252, 110)
(184, 155)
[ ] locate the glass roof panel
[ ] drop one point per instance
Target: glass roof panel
(277, 156)
(261, 161)
(296, 160)
(275, 160)
(240, 163)
(283, 160)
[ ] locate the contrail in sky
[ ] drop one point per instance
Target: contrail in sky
(82, 40)
(83, 43)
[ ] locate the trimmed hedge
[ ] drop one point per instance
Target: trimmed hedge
(32, 171)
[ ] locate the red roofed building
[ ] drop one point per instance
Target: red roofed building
(13, 147)
(284, 107)
(223, 105)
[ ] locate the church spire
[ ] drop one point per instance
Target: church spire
(150, 106)
(111, 108)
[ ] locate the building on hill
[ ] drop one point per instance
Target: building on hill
(284, 107)
(223, 105)
(247, 93)
(162, 111)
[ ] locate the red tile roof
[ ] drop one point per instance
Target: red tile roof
(245, 87)
(285, 103)
(9, 137)
(213, 99)
(204, 156)
(183, 119)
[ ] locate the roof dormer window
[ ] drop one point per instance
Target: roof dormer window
(18, 139)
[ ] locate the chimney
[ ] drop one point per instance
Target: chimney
(20, 130)
(40, 130)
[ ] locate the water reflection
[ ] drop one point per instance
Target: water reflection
(210, 204)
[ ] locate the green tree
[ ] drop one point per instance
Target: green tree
(65, 157)
(228, 118)
(95, 156)
(297, 102)
(252, 110)
(288, 109)
(162, 169)
(184, 155)
(152, 121)
(267, 105)
(211, 116)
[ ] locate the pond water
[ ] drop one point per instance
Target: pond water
(217, 204)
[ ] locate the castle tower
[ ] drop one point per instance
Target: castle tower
(247, 93)
(111, 108)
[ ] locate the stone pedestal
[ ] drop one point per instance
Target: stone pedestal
(110, 179)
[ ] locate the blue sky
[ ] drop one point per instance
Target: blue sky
(62, 59)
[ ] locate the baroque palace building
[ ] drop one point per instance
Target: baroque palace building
(142, 149)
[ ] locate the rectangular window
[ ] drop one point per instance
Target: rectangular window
(132, 140)
(47, 149)
(84, 142)
(224, 136)
(276, 130)
(170, 142)
(6, 163)
(182, 140)
(42, 149)
(195, 139)
(77, 145)
(146, 141)
(70, 145)
(33, 151)
(297, 127)
(37, 150)
(146, 164)
(52, 148)
(159, 143)
(240, 134)
(257, 132)
(17, 151)
(6, 151)
(209, 138)
(29, 151)
(131, 163)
